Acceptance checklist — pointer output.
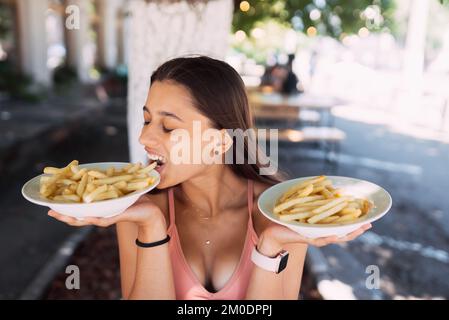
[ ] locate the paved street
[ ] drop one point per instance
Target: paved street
(411, 244)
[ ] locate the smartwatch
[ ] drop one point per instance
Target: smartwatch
(276, 264)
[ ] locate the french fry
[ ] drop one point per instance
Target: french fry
(110, 171)
(134, 168)
(300, 186)
(306, 191)
(349, 217)
(105, 195)
(293, 202)
(121, 185)
(298, 210)
(47, 189)
(52, 170)
(78, 175)
(137, 185)
(90, 187)
(82, 185)
(91, 196)
(329, 219)
(117, 190)
(148, 179)
(148, 168)
(295, 216)
(113, 180)
(65, 181)
(323, 183)
(326, 213)
(67, 198)
(67, 191)
(327, 193)
(96, 174)
(74, 184)
(329, 205)
(125, 168)
(317, 201)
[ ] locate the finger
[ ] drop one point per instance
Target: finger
(367, 226)
(102, 222)
(328, 240)
(352, 235)
(66, 219)
(320, 242)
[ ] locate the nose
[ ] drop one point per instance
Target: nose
(148, 137)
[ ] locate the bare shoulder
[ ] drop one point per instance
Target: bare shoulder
(260, 222)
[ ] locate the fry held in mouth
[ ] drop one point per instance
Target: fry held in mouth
(316, 201)
(74, 184)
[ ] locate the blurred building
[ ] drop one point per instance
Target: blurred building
(45, 34)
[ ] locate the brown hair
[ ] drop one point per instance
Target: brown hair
(219, 94)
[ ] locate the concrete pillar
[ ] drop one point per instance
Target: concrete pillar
(160, 31)
(77, 23)
(123, 43)
(33, 39)
(108, 32)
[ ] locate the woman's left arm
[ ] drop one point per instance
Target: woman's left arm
(285, 285)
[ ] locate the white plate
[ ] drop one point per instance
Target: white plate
(104, 208)
(359, 188)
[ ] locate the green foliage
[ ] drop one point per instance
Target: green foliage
(17, 85)
(6, 20)
(329, 17)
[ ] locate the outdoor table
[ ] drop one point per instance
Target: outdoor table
(291, 105)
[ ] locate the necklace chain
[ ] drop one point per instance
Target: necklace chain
(197, 210)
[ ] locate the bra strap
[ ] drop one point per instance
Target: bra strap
(250, 199)
(171, 206)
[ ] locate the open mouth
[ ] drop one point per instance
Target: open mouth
(160, 160)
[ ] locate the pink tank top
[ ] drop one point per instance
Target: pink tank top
(186, 283)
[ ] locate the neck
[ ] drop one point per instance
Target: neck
(213, 191)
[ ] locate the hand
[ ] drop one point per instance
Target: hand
(143, 212)
(274, 237)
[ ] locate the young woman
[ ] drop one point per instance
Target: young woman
(197, 236)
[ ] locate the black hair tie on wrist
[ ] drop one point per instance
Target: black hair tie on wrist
(152, 244)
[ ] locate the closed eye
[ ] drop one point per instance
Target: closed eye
(166, 130)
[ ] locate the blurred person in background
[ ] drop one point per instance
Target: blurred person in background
(281, 78)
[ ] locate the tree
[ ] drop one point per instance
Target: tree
(328, 17)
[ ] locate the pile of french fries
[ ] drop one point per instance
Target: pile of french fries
(75, 184)
(316, 201)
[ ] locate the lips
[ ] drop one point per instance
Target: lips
(157, 157)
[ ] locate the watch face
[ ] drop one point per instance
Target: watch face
(283, 262)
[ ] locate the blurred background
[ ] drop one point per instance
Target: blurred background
(355, 87)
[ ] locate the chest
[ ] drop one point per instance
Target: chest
(213, 248)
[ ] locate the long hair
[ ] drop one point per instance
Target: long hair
(219, 94)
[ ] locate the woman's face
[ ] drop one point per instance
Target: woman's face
(168, 111)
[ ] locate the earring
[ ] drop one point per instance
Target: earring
(216, 152)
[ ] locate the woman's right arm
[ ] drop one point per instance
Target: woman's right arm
(146, 272)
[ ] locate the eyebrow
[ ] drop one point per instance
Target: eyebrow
(164, 113)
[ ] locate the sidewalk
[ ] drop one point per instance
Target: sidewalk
(48, 134)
